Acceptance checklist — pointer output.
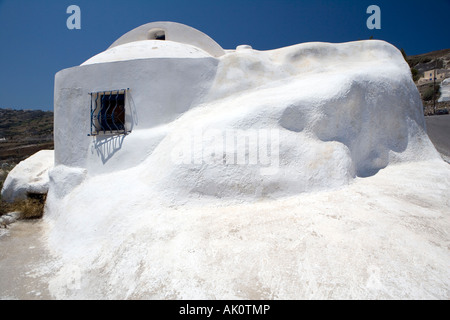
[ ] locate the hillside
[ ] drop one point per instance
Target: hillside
(24, 132)
(429, 92)
(430, 60)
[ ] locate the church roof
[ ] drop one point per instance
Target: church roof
(146, 49)
(160, 39)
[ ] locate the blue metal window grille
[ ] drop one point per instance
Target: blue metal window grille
(108, 112)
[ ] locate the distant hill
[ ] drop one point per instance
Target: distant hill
(439, 59)
(24, 132)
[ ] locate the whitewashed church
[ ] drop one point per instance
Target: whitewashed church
(145, 79)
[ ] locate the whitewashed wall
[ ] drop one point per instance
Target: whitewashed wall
(160, 90)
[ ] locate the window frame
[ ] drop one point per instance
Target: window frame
(101, 115)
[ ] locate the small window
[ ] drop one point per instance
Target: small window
(108, 112)
(160, 36)
(157, 34)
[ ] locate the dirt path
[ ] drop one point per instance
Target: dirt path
(23, 261)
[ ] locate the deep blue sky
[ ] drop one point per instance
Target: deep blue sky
(35, 42)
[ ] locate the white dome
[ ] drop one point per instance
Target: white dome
(172, 31)
(146, 49)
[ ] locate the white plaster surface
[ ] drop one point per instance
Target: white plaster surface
(356, 208)
(28, 176)
(147, 49)
(340, 111)
(176, 32)
(382, 237)
(160, 90)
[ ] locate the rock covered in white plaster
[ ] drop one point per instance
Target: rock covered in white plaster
(29, 176)
(65, 179)
(337, 111)
(340, 111)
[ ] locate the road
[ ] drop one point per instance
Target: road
(438, 128)
(24, 261)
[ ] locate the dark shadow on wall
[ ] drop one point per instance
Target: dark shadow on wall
(107, 146)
